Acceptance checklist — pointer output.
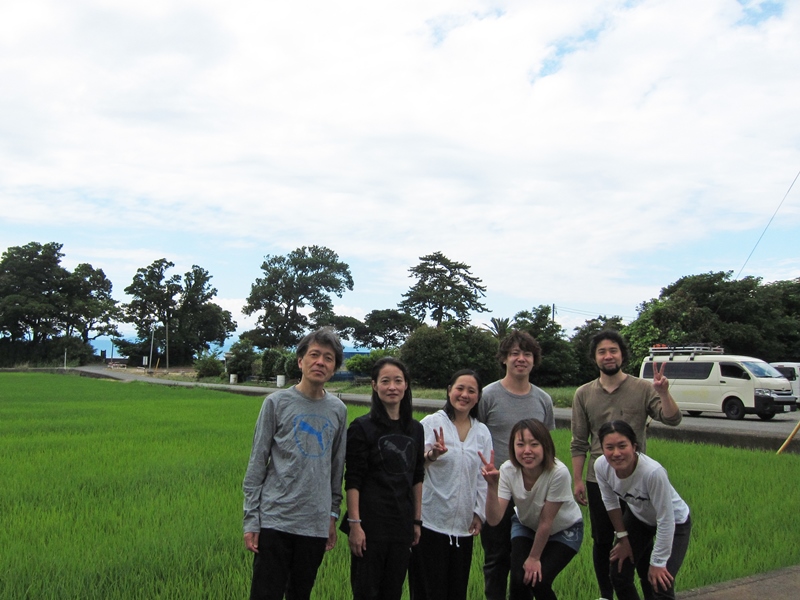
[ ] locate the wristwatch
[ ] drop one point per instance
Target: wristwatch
(618, 535)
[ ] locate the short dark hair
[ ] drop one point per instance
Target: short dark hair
(377, 410)
(541, 434)
(448, 408)
(324, 336)
(620, 427)
(526, 343)
(614, 336)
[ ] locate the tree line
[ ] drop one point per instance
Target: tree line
(46, 310)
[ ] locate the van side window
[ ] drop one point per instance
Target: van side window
(681, 370)
(787, 372)
(733, 371)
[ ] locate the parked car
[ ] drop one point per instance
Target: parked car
(790, 370)
(705, 379)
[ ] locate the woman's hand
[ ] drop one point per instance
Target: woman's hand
(357, 540)
(660, 576)
(439, 447)
(533, 571)
(622, 550)
(488, 470)
(417, 534)
(475, 527)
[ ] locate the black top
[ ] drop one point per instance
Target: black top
(383, 463)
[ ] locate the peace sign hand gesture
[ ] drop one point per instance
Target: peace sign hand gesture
(488, 470)
(439, 447)
(660, 382)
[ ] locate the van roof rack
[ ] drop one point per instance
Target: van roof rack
(693, 350)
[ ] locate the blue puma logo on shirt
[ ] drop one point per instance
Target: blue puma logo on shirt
(312, 435)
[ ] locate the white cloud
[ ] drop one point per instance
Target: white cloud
(550, 145)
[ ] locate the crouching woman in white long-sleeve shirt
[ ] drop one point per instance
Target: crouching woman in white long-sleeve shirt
(656, 512)
(453, 493)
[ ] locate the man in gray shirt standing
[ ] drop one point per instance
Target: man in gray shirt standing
(293, 484)
(503, 404)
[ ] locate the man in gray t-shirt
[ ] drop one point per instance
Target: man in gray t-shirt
(502, 405)
(293, 484)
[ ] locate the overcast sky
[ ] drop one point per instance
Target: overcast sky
(583, 153)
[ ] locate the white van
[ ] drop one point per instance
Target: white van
(790, 370)
(705, 379)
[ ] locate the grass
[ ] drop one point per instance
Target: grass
(133, 491)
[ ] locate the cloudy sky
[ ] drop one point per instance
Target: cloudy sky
(583, 153)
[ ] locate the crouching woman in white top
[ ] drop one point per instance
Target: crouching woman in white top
(655, 512)
(547, 528)
(453, 493)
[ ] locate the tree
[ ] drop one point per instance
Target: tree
(92, 310)
(743, 316)
(476, 349)
(386, 328)
(305, 277)
(559, 366)
(32, 303)
(581, 341)
(177, 312)
(499, 328)
(46, 311)
(428, 354)
(446, 289)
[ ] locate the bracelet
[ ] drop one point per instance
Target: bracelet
(335, 515)
(354, 520)
(418, 522)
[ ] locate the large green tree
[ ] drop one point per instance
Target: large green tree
(743, 316)
(93, 312)
(177, 313)
(33, 305)
(444, 290)
(386, 328)
(304, 278)
(46, 310)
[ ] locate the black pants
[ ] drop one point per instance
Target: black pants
(440, 566)
(555, 557)
(603, 540)
(379, 574)
(496, 542)
(641, 536)
(285, 564)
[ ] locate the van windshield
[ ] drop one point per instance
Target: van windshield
(761, 369)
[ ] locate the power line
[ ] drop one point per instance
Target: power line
(767, 227)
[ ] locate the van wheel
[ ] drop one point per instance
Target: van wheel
(694, 413)
(734, 409)
(766, 416)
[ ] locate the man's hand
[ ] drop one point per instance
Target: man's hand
(251, 542)
(579, 491)
(660, 383)
(329, 545)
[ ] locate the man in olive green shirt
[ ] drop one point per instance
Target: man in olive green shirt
(614, 395)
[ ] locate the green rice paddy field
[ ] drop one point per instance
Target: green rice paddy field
(112, 490)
